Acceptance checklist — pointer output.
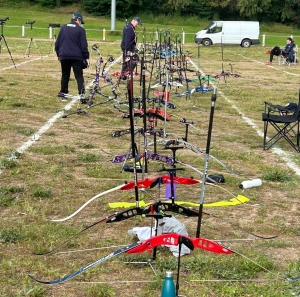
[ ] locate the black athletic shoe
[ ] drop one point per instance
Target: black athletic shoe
(62, 96)
(83, 100)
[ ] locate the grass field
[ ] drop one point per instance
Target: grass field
(51, 165)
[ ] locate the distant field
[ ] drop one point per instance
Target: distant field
(275, 34)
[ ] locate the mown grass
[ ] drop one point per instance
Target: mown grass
(70, 163)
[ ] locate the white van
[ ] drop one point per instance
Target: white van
(244, 33)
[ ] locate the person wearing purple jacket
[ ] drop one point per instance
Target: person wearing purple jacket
(71, 48)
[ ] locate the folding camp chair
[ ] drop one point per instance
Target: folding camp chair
(285, 59)
(285, 121)
(295, 49)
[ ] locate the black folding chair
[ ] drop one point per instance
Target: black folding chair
(285, 121)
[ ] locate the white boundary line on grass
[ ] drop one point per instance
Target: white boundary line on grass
(25, 62)
(271, 66)
(36, 136)
(282, 154)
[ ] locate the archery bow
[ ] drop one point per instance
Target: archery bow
(202, 89)
(158, 206)
(147, 245)
(195, 149)
(131, 185)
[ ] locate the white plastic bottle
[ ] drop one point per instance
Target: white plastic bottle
(250, 183)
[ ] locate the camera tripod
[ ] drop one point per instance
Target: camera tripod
(2, 22)
(27, 52)
(29, 46)
(52, 46)
(52, 50)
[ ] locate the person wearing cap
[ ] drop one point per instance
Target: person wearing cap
(129, 40)
(72, 51)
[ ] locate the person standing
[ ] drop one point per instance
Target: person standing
(71, 48)
(128, 43)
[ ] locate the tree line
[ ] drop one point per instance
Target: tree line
(279, 11)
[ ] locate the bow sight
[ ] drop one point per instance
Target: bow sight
(27, 52)
(54, 25)
(30, 23)
(95, 47)
(2, 20)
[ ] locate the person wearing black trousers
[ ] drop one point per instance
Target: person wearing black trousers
(128, 43)
(287, 51)
(71, 48)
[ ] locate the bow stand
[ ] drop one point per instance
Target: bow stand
(2, 22)
(27, 52)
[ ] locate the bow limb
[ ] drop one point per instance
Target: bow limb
(82, 269)
(86, 203)
(145, 183)
(266, 269)
(173, 207)
(116, 217)
(75, 235)
(198, 150)
(180, 180)
(211, 246)
(195, 150)
(126, 214)
(238, 227)
(211, 183)
(127, 204)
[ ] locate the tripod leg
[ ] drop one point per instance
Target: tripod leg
(2, 37)
(37, 47)
(52, 45)
(27, 53)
